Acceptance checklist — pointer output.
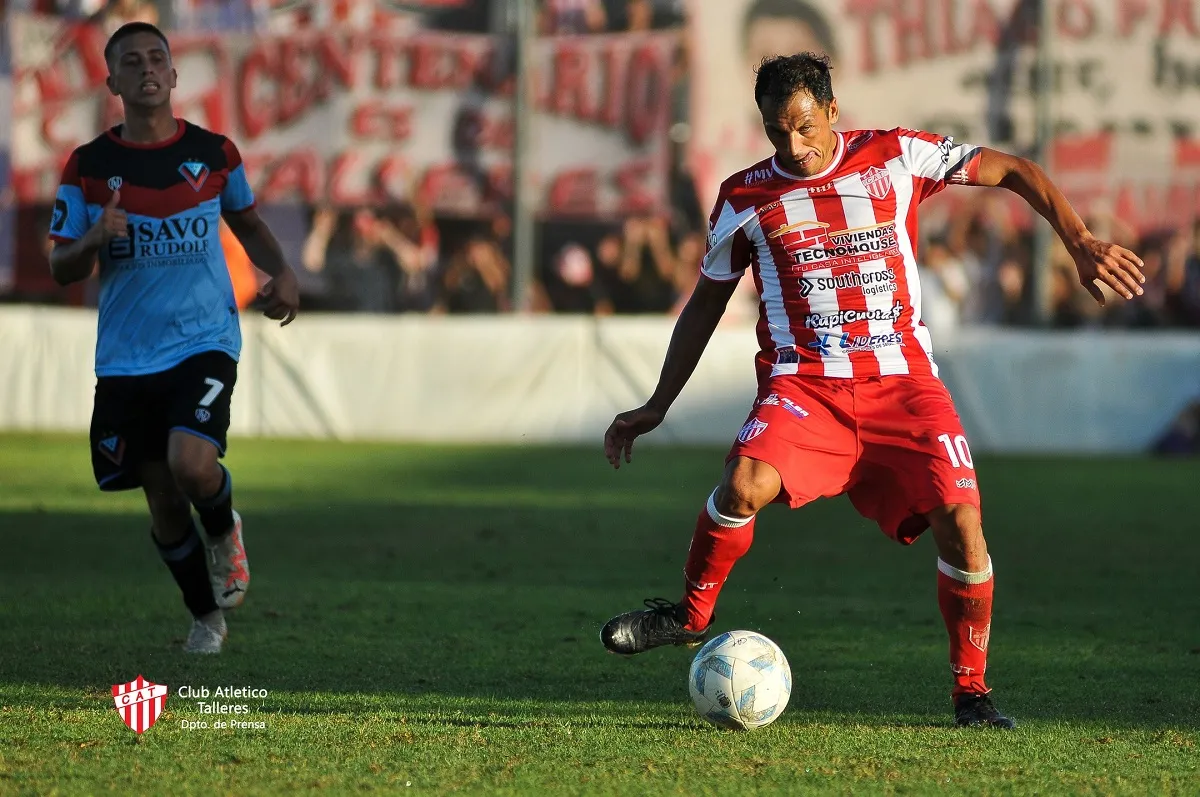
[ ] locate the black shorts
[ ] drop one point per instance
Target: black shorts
(134, 415)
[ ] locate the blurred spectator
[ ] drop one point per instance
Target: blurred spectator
(116, 13)
(562, 17)
(572, 284)
(478, 277)
(410, 233)
(775, 27)
(944, 286)
(369, 264)
(639, 15)
(1149, 309)
(1071, 304)
(242, 273)
(1188, 291)
(647, 264)
(690, 255)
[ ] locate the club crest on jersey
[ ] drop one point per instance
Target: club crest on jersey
(140, 703)
(979, 636)
(115, 183)
(195, 172)
(877, 182)
(753, 428)
(112, 448)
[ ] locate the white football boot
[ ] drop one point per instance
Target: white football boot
(228, 570)
(207, 635)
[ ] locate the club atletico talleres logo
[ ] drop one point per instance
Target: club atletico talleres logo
(140, 703)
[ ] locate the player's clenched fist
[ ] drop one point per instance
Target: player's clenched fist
(113, 222)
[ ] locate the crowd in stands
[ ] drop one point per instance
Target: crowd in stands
(397, 256)
(975, 268)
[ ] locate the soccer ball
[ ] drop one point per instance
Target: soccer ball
(740, 680)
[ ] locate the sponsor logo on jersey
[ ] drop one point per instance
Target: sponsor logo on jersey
(195, 172)
(945, 147)
(843, 317)
(757, 176)
(877, 182)
(965, 484)
(812, 245)
(848, 343)
(151, 243)
(776, 400)
(871, 282)
(794, 408)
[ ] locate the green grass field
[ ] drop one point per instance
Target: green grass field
(425, 619)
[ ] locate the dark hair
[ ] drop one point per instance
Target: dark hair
(798, 10)
(129, 29)
(782, 76)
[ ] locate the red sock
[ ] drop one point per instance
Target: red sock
(717, 543)
(966, 603)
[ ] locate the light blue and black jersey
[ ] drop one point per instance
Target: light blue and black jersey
(165, 290)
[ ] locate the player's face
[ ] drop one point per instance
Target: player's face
(801, 132)
(141, 73)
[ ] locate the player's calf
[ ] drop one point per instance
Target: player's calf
(210, 486)
(964, 595)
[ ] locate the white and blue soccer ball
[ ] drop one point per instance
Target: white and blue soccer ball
(740, 680)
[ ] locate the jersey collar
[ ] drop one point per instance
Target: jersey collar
(180, 125)
(838, 154)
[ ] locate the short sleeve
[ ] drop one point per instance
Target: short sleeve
(237, 195)
(69, 221)
(938, 160)
(728, 250)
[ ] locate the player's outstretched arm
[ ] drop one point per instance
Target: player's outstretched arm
(693, 330)
(282, 292)
(1094, 259)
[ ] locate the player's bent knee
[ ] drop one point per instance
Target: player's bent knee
(960, 519)
(958, 532)
(748, 486)
(196, 475)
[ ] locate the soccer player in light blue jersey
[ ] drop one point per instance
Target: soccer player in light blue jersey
(146, 198)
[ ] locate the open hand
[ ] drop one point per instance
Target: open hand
(1115, 266)
(624, 429)
(281, 297)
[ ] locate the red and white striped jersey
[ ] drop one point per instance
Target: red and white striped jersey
(834, 255)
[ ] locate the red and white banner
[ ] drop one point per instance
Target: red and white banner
(1126, 101)
(339, 115)
(140, 703)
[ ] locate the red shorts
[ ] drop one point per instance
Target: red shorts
(895, 444)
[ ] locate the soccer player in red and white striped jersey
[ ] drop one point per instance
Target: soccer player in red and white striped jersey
(849, 398)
